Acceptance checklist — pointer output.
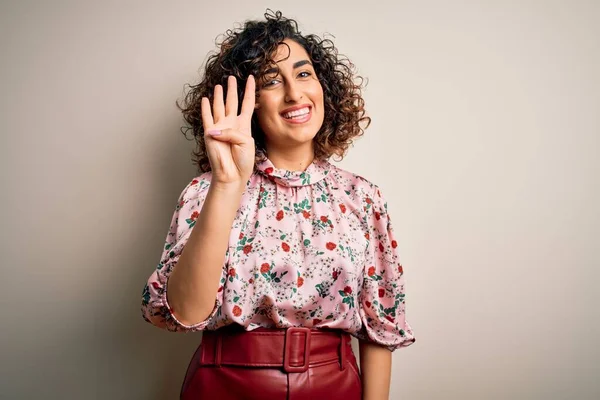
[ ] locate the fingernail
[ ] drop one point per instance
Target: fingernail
(214, 132)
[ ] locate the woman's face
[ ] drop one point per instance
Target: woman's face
(290, 107)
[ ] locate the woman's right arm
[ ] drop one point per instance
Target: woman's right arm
(183, 293)
(193, 284)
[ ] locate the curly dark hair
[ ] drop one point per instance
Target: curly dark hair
(249, 50)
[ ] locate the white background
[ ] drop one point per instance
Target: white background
(485, 141)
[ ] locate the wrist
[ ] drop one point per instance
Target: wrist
(233, 188)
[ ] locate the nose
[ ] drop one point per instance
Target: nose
(293, 93)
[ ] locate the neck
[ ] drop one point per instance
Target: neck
(296, 159)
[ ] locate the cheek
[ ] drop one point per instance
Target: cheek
(317, 93)
(268, 108)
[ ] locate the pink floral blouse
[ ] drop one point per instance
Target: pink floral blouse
(310, 248)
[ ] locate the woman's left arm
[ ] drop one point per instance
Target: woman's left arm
(376, 370)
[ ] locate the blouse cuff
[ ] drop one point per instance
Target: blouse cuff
(172, 320)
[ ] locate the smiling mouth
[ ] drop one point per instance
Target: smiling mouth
(298, 116)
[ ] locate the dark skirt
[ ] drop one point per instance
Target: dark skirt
(273, 364)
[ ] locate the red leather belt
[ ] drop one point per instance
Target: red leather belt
(293, 349)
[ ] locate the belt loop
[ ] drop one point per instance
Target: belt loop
(218, 351)
(342, 351)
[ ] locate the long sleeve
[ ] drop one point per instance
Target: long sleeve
(382, 306)
(155, 307)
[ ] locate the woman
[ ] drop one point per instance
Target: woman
(276, 254)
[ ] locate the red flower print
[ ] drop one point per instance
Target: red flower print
(394, 244)
(381, 247)
(367, 236)
(232, 272)
(324, 218)
(262, 189)
(369, 201)
(155, 285)
(330, 246)
(377, 215)
(334, 275)
(381, 292)
(265, 268)
(251, 281)
(237, 311)
(300, 281)
(391, 319)
(195, 181)
(371, 271)
(220, 289)
(194, 215)
(285, 246)
(348, 290)
(247, 248)
(279, 216)
(400, 269)
(368, 304)
(343, 208)
(305, 214)
(316, 321)
(269, 171)
(241, 235)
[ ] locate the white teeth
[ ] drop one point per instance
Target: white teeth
(296, 113)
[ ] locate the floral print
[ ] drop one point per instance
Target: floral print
(312, 248)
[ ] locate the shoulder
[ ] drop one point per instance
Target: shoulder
(353, 182)
(196, 189)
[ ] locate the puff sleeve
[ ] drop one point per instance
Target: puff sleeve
(382, 307)
(155, 307)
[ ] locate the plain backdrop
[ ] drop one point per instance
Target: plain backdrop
(485, 142)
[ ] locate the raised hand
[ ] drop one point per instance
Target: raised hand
(227, 135)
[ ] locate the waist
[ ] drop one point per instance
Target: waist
(294, 349)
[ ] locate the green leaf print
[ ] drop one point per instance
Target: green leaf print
(146, 295)
(322, 289)
(349, 300)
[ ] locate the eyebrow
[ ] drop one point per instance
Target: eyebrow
(297, 64)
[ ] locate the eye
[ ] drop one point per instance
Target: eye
(304, 74)
(270, 82)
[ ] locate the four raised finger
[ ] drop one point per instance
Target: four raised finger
(231, 104)
(207, 118)
(218, 106)
(249, 98)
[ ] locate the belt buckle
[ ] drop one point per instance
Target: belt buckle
(288, 343)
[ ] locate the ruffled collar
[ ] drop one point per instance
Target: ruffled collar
(315, 172)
